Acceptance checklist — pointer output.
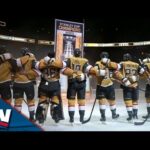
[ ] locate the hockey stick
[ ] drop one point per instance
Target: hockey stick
(25, 101)
(141, 123)
(85, 121)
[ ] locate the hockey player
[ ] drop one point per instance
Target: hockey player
(130, 71)
(105, 88)
(145, 71)
(23, 82)
(49, 88)
(5, 74)
(78, 85)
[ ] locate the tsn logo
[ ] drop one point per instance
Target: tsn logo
(5, 117)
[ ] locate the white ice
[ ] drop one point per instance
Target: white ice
(121, 124)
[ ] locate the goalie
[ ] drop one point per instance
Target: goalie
(49, 88)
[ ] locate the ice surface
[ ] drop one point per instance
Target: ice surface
(120, 124)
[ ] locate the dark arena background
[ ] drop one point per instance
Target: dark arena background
(38, 35)
(97, 30)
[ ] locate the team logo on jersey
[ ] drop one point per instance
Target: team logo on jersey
(5, 115)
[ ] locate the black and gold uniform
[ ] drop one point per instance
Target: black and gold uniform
(77, 85)
(6, 70)
(145, 71)
(23, 78)
(130, 70)
(49, 88)
(105, 88)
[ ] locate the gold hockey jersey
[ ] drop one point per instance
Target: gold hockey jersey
(25, 72)
(52, 70)
(111, 72)
(130, 70)
(77, 64)
(146, 74)
(5, 72)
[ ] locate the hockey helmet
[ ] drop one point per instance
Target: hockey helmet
(104, 55)
(77, 52)
(147, 59)
(51, 54)
(24, 51)
(127, 57)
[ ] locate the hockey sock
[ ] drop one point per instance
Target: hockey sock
(71, 115)
(81, 112)
(103, 117)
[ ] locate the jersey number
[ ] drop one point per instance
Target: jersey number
(76, 67)
(51, 72)
(130, 72)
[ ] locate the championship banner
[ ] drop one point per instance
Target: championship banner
(68, 36)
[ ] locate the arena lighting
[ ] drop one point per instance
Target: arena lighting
(123, 44)
(106, 45)
(4, 37)
(141, 43)
(31, 40)
(91, 44)
(18, 39)
(44, 42)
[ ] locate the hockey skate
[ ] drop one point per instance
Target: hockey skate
(32, 117)
(40, 114)
(114, 115)
(148, 113)
(71, 115)
(81, 119)
(103, 117)
(55, 113)
(71, 120)
(81, 112)
(146, 116)
(130, 118)
(135, 116)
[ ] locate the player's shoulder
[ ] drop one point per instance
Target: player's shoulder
(122, 62)
(41, 60)
(79, 58)
(70, 58)
(84, 59)
(135, 63)
(6, 63)
(32, 58)
(97, 62)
